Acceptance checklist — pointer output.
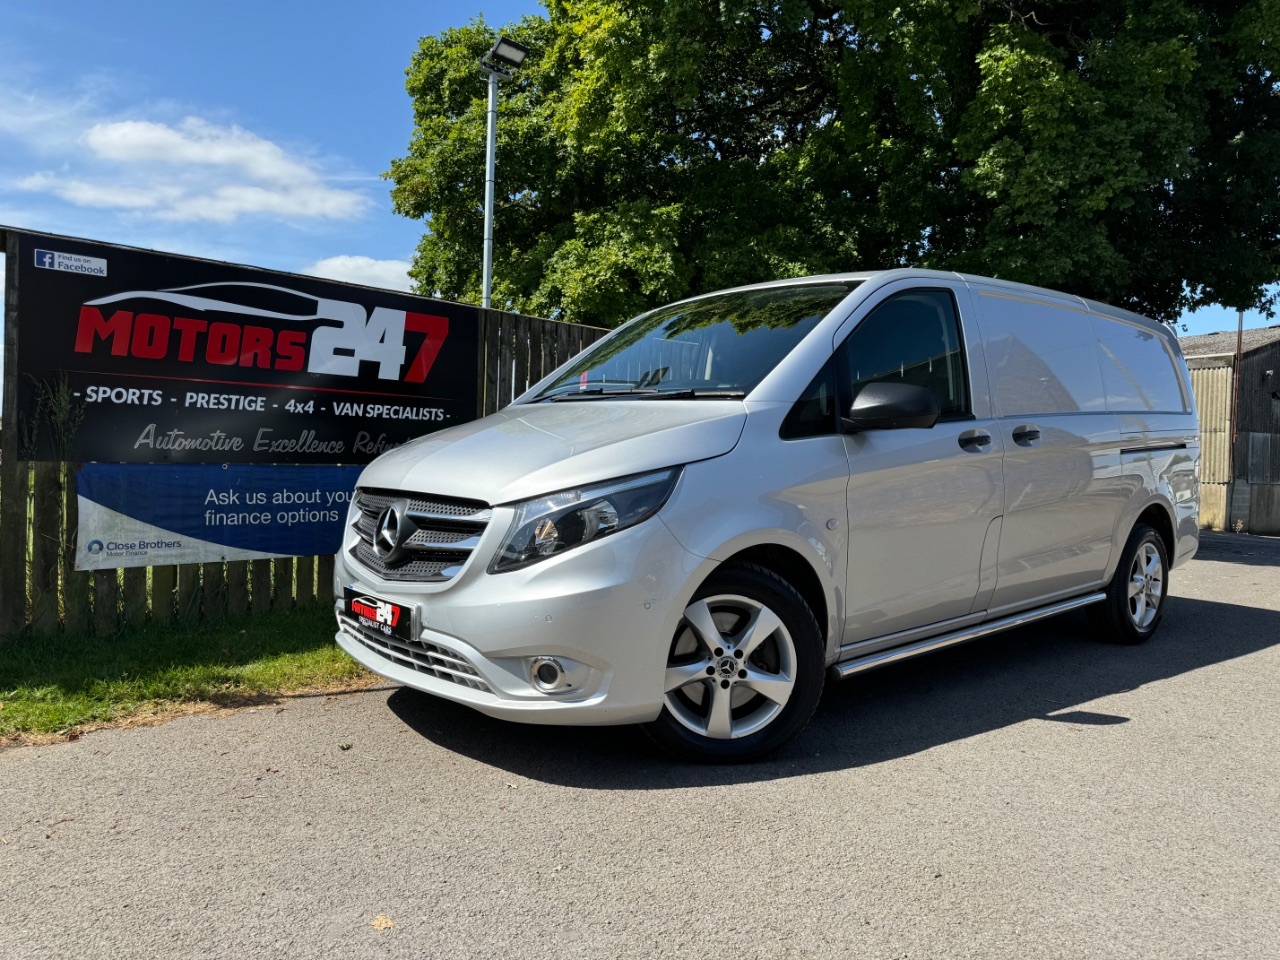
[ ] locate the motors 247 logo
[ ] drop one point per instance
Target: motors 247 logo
(201, 324)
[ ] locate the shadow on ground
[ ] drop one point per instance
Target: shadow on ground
(1239, 548)
(1045, 671)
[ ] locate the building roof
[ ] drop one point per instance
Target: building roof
(1224, 341)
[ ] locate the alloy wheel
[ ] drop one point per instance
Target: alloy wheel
(1146, 586)
(731, 669)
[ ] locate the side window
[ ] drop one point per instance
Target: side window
(814, 414)
(912, 338)
(1138, 371)
(1042, 356)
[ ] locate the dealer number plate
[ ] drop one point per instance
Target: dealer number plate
(388, 617)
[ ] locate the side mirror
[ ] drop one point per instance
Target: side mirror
(891, 406)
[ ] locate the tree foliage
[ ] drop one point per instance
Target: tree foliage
(1127, 150)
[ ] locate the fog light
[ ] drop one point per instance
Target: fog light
(548, 674)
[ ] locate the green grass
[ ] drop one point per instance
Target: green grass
(55, 684)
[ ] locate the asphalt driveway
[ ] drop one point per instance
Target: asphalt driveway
(1031, 795)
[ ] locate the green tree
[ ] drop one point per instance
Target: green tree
(1127, 150)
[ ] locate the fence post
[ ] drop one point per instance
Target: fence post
(324, 579)
(238, 586)
(547, 349)
(215, 590)
(135, 596)
(188, 591)
(523, 337)
(492, 349)
(106, 614)
(506, 359)
(260, 588)
(163, 581)
(563, 352)
(306, 572)
(282, 568)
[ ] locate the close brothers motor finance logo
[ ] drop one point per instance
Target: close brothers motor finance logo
(95, 546)
(337, 336)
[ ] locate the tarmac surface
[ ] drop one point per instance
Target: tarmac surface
(1031, 795)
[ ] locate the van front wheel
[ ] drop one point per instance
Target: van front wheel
(744, 669)
(1135, 597)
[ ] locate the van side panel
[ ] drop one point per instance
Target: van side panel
(1148, 388)
(1163, 450)
(1064, 487)
(1138, 369)
(1041, 356)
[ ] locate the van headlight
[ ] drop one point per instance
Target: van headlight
(548, 525)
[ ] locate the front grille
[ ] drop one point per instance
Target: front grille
(429, 658)
(444, 532)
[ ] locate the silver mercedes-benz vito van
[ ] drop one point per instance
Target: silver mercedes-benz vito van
(696, 520)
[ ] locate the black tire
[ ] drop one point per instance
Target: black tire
(720, 692)
(1136, 594)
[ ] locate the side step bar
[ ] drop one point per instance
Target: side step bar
(882, 657)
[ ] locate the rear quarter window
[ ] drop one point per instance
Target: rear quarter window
(1138, 370)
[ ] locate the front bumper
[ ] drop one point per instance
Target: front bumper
(606, 611)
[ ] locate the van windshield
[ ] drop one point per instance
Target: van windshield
(717, 346)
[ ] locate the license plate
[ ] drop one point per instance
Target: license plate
(388, 617)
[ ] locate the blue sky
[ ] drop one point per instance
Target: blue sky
(246, 131)
(254, 132)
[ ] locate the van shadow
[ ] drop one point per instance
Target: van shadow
(1045, 671)
(1239, 548)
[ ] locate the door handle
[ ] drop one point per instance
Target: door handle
(1026, 434)
(973, 439)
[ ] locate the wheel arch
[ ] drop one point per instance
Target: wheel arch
(1157, 516)
(1156, 513)
(792, 567)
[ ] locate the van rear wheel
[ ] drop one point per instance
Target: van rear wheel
(1136, 594)
(744, 670)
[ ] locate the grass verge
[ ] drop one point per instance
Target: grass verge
(63, 683)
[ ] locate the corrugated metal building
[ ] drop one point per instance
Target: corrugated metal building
(1239, 489)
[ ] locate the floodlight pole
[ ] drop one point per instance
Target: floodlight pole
(491, 161)
(505, 56)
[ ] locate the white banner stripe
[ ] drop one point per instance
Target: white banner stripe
(108, 540)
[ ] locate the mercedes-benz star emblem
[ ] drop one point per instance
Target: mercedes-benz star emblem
(392, 530)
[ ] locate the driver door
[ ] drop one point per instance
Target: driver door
(924, 504)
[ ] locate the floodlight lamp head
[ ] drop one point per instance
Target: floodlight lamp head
(505, 56)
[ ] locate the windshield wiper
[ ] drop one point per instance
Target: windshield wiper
(598, 393)
(694, 394)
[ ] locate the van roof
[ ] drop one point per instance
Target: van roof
(913, 273)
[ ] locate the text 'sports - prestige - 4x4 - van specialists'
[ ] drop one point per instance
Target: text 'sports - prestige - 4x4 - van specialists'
(695, 521)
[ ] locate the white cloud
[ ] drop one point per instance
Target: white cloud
(225, 204)
(191, 170)
(196, 142)
(101, 195)
(388, 274)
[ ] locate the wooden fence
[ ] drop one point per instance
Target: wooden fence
(41, 590)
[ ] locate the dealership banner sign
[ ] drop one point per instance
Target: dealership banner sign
(130, 356)
(140, 515)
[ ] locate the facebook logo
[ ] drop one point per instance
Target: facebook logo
(71, 263)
